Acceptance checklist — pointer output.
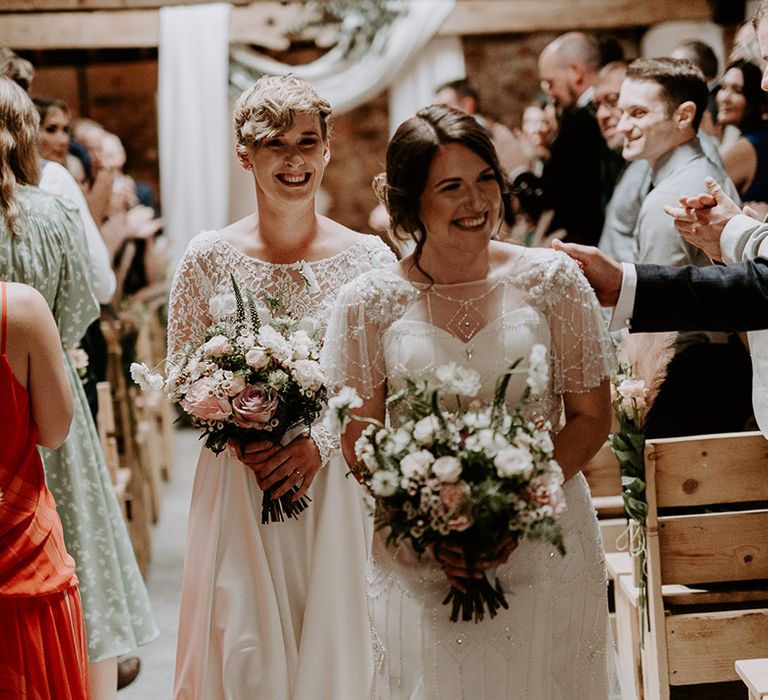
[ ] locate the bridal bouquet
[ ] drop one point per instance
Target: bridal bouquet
(475, 476)
(255, 377)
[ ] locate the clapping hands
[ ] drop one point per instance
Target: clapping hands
(700, 220)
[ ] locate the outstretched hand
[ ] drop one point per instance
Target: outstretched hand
(603, 273)
(295, 464)
(700, 220)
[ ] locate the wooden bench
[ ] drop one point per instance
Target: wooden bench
(754, 673)
(707, 559)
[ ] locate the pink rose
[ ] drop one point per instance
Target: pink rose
(454, 497)
(201, 403)
(254, 407)
(218, 346)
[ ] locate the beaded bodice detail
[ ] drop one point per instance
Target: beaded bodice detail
(387, 329)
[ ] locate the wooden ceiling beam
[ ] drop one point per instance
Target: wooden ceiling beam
(263, 23)
(494, 17)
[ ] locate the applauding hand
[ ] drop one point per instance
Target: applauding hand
(700, 220)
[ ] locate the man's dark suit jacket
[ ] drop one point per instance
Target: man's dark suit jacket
(572, 183)
(712, 298)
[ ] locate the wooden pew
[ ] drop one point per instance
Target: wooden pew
(707, 560)
(754, 673)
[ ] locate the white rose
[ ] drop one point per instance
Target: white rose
(270, 339)
(222, 305)
(447, 469)
(384, 483)
(416, 464)
(302, 344)
(145, 378)
(217, 346)
(308, 374)
(458, 380)
(424, 431)
(513, 461)
(256, 358)
(400, 440)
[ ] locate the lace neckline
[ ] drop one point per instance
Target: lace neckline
(296, 264)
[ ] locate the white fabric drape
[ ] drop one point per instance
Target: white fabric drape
(349, 81)
(440, 61)
(194, 119)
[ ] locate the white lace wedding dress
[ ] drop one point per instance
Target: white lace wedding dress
(551, 644)
(272, 611)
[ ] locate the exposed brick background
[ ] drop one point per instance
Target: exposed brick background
(118, 89)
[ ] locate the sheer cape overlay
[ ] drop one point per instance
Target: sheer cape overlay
(552, 642)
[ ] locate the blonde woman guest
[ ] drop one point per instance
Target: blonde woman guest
(278, 610)
(42, 244)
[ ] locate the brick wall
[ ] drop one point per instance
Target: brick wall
(119, 90)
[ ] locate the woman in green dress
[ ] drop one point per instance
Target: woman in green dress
(42, 244)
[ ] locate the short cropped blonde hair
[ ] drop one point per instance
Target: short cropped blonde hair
(269, 107)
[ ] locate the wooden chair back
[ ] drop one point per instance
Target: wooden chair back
(707, 558)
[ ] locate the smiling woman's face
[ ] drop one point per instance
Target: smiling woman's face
(461, 205)
(291, 164)
(54, 136)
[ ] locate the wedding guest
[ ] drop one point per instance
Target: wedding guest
(634, 182)
(42, 244)
(662, 100)
(464, 298)
(576, 182)
(42, 646)
(274, 610)
(741, 103)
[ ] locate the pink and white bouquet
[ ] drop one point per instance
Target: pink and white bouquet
(476, 476)
(255, 377)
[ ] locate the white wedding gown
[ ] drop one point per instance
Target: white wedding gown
(551, 644)
(272, 611)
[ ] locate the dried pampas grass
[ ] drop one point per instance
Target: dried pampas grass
(649, 354)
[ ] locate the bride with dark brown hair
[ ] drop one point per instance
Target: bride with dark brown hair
(462, 297)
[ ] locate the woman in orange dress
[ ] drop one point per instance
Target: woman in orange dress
(42, 635)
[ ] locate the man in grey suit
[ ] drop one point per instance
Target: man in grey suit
(662, 101)
(730, 297)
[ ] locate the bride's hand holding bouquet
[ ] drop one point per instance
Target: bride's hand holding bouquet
(466, 484)
(253, 385)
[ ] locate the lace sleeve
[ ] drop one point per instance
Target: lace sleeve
(582, 349)
(326, 441)
(192, 286)
(352, 352)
